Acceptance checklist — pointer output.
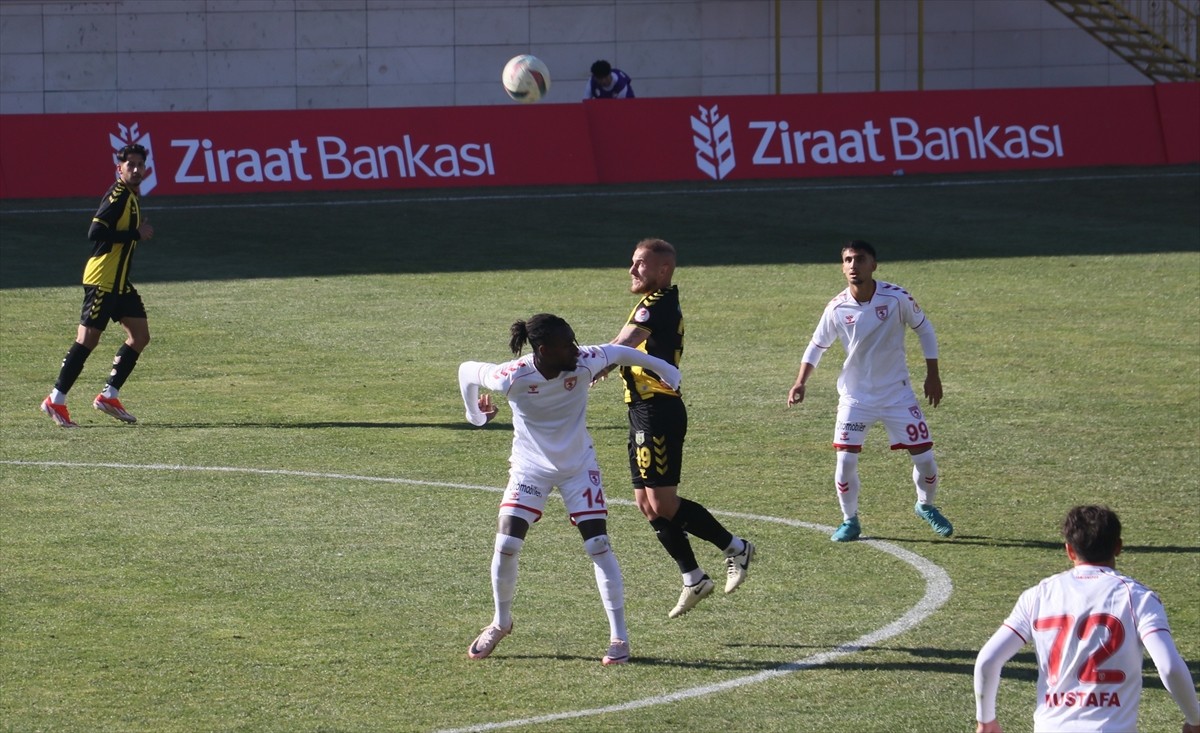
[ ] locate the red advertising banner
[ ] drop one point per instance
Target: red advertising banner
(233, 152)
(1179, 109)
(607, 141)
(868, 134)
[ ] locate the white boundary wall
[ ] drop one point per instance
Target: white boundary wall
(193, 55)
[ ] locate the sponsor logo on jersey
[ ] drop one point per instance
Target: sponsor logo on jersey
(533, 389)
(712, 137)
(850, 319)
(569, 383)
(852, 427)
(882, 312)
(642, 314)
(528, 489)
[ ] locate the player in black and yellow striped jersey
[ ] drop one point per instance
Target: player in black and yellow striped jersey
(108, 294)
(658, 426)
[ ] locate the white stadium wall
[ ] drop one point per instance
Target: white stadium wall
(203, 55)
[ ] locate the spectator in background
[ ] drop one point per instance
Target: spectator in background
(608, 83)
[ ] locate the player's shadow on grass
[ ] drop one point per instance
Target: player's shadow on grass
(1030, 544)
(285, 425)
(1023, 665)
(716, 665)
(327, 424)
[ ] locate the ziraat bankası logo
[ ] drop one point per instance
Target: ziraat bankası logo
(899, 139)
(131, 135)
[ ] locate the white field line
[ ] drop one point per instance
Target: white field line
(598, 194)
(938, 588)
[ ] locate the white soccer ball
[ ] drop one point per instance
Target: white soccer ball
(526, 78)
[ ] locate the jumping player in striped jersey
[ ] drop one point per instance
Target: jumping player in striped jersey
(548, 392)
(658, 426)
(1088, 626)
(871, 317)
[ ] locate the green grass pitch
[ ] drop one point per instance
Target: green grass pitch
(296, 536)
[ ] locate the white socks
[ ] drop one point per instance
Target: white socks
(610, 583)
(845, 476)
(504, 577)
(925, 477)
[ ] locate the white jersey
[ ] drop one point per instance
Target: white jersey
(1087, 625)
(875, 371)
(549, 415)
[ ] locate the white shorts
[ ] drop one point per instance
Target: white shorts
(582, 493)
(905, 425)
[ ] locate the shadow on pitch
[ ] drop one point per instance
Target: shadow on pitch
(1023, 665)
(715, 665)
(334, 424)
(1030, 544)
(294, 235)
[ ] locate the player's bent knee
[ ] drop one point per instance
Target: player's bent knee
(508, 545)
(597, 546)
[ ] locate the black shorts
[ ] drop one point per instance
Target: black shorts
(657, 427)
(100, 307)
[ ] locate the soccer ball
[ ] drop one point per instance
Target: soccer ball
(526, 78)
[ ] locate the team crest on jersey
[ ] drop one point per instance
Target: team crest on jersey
(594, 477)
(569, 383)
(882, 312)
(915, 412)
(642, 314)
(639, 437)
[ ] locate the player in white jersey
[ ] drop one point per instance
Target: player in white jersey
(548, 393)
(870, 318)
(1088, 626)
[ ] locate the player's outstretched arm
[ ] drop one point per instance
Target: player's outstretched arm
(630, 336)
(1175, 676)
(627, 356)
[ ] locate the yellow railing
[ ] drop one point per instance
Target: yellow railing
(1158, 37)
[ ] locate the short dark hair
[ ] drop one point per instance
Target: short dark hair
(861, 246)
(133, 149)
(1093, 532)
(657, 246)
(536, 331)
(601, 69)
